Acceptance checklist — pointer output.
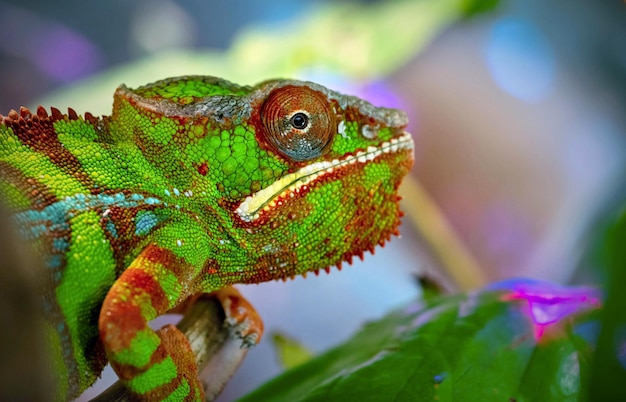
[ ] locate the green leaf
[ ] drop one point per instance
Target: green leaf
(291, 353)
(609, 362)
(521, 341)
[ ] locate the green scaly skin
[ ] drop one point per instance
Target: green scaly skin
(193, 184)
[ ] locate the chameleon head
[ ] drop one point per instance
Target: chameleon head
(304, 177)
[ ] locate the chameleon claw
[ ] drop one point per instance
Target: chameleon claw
(249, 341)
(242, 330)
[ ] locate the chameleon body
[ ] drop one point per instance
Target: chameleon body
(191, 185)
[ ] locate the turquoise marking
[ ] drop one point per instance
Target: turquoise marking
(145, 221)
(38, 230)
(60, 244)
(55, 216)
(110, 227)
(55, 261)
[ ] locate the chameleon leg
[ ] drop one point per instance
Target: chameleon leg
(152, 365)
(241, 328)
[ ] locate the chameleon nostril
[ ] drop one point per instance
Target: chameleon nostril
(369, 132)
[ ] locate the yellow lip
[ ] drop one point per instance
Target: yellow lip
(264, 199)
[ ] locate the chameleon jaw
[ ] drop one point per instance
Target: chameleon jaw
(265, 199)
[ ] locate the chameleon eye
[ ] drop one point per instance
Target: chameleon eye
(298, 122)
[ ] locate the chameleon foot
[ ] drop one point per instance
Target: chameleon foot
(242, 319)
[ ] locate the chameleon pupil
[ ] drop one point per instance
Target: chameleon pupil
(299, 121)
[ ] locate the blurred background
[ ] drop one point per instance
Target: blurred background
(516, 108)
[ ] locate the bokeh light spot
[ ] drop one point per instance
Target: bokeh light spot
(66, 55)
(520, 59)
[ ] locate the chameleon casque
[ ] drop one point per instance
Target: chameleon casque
(191, 185)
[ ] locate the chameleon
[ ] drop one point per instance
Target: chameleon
(193, 184)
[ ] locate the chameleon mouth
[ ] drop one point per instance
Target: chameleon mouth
(289, 185)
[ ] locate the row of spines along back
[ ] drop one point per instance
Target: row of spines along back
(25, 115)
